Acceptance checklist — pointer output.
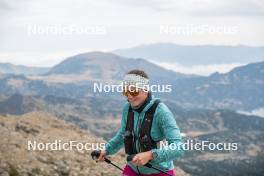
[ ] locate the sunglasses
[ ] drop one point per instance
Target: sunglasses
(133, 93)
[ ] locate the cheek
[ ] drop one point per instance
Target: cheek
(134, 100)
(138, 100)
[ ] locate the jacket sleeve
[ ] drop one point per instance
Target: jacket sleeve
(117, 142)
(169, 128)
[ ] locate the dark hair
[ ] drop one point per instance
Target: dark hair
(138, 72)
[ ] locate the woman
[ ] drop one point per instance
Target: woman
(146, 122)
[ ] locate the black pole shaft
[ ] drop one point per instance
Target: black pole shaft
(130, 158)
(96, 153)
(109, 162)
(161, 171)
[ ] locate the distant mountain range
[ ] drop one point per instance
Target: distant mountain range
(194, 55)
(8, 68)
(240, 89)
(107, 66)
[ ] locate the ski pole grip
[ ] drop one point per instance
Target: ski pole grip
(95, 154)
(130, 158)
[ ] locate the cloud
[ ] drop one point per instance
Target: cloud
(109, 8)
(40, 59)
(4, 5)
(257, 112)
(204, 70)
(201, 7)
(127, 23)
(232, 8)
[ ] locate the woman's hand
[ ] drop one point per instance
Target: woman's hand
(102, 155)
(143, 158)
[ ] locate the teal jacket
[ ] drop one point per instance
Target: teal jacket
(164, 126)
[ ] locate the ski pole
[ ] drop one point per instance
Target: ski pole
(130, 158)
(95, 154)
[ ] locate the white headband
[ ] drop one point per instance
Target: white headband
(136, 80)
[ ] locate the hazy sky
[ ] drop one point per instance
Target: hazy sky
(42, 33)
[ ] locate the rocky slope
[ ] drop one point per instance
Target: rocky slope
(16, 159)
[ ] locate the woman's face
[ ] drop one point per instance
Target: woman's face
(137, 100)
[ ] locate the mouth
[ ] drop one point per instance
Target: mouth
(131, 100)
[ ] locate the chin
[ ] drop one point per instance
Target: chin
(134, 104)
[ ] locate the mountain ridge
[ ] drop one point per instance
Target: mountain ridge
(194, 54)
(105, 66)
(8, 68)
(239, 89)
